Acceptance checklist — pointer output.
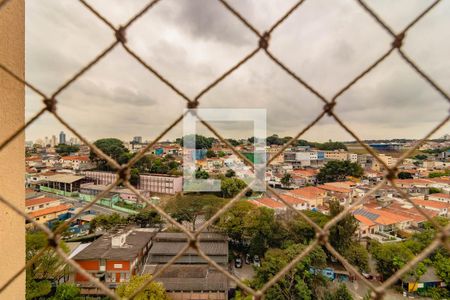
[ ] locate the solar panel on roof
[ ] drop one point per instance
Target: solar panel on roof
(365, 213)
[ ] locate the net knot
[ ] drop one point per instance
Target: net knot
(391, 174)
(398, 41)
(264, 41)
(193, 243)
(50, 104)
(124, 174)
(328, 108)
(192, 104)
(121, 35)
(53, 241)
(322, 237)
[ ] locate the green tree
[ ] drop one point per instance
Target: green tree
(330, 146)
(340, 293)
(420, 157)
(342, 233)
(433, 190)
(47, 268)
(358, 256)
(390, 257)
(67, 291)
(439, 174)
(153, 291)
(210, 154)
(36, 289)
(111, 147)
(298, 283)
(201, 174)
(261, 230)
(405, 175)
(190, 207)
(298, 230)
(230, 187)
(134, 176)
(63, 149)
(286, 180)
(232, 222)
(442, 266)
(230, 173)
(339, 171)
(146, 218)
(233, 142)
(201, 142)
(221, 154)
(106, 222)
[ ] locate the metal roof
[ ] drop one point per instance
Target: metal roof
(64, 178)
(190, 278)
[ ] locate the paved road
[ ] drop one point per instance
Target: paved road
(359, 290)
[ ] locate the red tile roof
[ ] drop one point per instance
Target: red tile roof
(430, 203)
(439, 195)
(412, 181)
(292, 200)
(333, 188)
(309, 192)
(33, 158)
(364, 220)
(50, 210)
(36, 201)
(82, 158)
(304, 172)
(388, 218)
(268, 202)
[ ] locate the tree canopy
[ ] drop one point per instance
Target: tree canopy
(336, 170)
(153, 291)
(112, 147)
(63, 149)
(48, 268)
(405, 175)
(201, 142)
(190, 207)
(299, 282)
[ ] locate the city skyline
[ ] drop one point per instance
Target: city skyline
(122, 99)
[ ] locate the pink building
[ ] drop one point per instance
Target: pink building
(161, 183)
(99, 177)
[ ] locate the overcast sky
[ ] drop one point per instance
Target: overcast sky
(192, 42)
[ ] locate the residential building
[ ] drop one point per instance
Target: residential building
(314, 196)
(439, 197)
(387, 221)
(44, 209)
(277, 206)
(336, 155)
(387, 159)
(75, 162)
(439, 206)
(113, 258)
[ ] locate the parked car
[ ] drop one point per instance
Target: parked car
(256, 261)
(238, 262)
(248, 259)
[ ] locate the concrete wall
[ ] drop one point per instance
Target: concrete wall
(12, 162)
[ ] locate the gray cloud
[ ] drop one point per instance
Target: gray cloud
(193, 42)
